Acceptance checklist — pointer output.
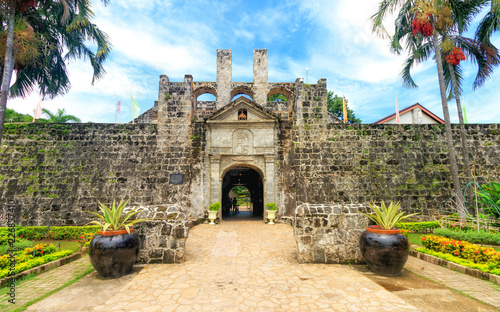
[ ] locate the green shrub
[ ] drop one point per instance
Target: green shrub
(271, 206)
(489, 268)
(416, 227)
(54, 232)
(34, 262)
(214, 207)
(19, 244)
(40, 250)
(472, 236)
(489, 197)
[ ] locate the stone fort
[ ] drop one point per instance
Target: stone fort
(192, 153)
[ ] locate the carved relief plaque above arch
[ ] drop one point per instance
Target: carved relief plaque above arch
(242, 142)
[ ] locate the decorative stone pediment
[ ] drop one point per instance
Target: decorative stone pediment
(252, 111)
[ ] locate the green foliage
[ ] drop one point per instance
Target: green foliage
(415, 227)
(489, 197)
(489, 268)
(20, 244)
(40, 250)
(60, 116)
(472, 236)
(34, 262)
(114, 219)
(54, 232)
(13, 116)
(271, 206)
(85, 239)
(214, 207)
(336, 107)
(387, 216)
(277, 98)
(167, 96)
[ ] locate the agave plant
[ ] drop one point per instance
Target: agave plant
(387, 216)
(114, 219)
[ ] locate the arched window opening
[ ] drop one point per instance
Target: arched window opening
(277, 97)
(206, 101)
(242, 114)
(241, 91)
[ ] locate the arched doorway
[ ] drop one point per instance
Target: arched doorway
(249, 178)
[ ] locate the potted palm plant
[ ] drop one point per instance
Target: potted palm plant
(114, 249)
(382, 245)
(213, 209)
(271, 212)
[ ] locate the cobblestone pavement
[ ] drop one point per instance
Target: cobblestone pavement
(479, 289)
(244, 266)
(44, 283)
(249, 266)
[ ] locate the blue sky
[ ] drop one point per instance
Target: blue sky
(331, 38)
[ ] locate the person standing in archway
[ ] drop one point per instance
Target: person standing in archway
(235, 205)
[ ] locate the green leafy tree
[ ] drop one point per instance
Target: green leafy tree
(336, 107)
(277, 98)
(60, 116)
(434, 13)
(13, 116)
(38, 37)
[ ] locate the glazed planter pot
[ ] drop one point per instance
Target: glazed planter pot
(212, 215)
(385, 251)
(113, 253)
(271, 215)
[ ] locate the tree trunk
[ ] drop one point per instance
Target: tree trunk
(465, 151)
(449, 138)
(10, 58)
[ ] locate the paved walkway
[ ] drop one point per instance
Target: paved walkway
(44, 283)
(243, 266)
(479, 289)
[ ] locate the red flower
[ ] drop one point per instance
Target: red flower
(477, 251)
(456, 253)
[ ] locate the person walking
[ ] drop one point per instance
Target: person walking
(235, 205)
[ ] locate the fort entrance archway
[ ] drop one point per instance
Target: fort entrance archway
(249, 178)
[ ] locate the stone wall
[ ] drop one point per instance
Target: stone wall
(55, 172)
(162, 239)
(329, 233)
(406, 163)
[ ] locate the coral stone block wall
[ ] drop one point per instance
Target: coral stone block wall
(406, 163)
(55, 172)
(329, 233)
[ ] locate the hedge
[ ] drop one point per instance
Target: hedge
(20, 267)
(54, 232)
(488, 268)
(471, 236)
(415, 227)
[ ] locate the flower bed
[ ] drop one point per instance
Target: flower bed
(34, 262)
(30, 258)
(487, 258)
(472, 236)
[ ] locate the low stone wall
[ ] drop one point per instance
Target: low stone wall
(162, 239)
(329, 233)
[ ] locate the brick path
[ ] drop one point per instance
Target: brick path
(476, 288)
(34, 288)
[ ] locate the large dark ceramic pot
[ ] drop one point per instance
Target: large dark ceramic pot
(385, 251)
(113, 253)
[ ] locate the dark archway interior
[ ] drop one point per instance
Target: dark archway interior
(248, 178)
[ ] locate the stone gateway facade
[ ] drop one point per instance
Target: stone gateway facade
(191, 153)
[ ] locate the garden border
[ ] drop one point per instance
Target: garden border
(43, 268)
(455, 266)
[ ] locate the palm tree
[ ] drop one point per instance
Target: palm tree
(403, 34)
(60, 116)
(484, 56)
(62, 29)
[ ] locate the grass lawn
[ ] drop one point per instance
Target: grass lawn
(415, 239)
(64, 244)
